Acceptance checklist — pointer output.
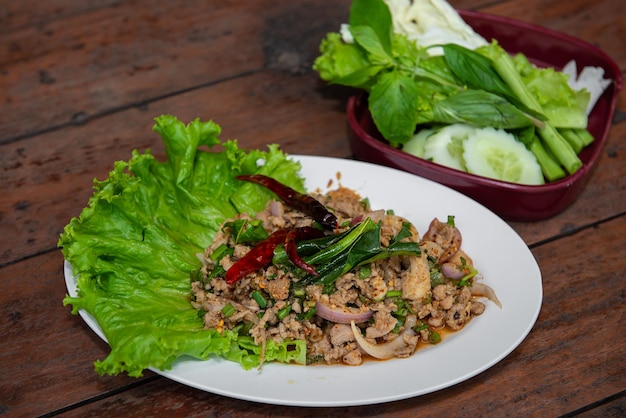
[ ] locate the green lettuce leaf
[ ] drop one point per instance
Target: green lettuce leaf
(560, 104)
(344, 63)
(563, 106)
(133, 247)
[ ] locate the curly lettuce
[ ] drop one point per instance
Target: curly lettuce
(563, 106)
(133, 247)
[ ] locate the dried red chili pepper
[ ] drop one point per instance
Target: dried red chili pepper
(305, 232)
(299, 201)
(260, 256)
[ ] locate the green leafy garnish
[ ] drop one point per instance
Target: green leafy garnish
(228, 310)
(133, 248)
(408, 89)
(357, 248)
(245, 231)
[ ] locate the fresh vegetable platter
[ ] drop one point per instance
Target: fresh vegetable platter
(432, 83)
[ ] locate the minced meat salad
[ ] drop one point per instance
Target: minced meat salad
(326, 269)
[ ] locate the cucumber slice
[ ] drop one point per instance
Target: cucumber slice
(446, 146)
(497, 154)
(415, 145)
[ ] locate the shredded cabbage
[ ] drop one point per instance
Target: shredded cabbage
(432, 22)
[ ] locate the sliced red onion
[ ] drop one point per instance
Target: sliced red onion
(386, 350)
(356, 220)
(453, 271)
(341, 316)
(481, 289)
(375, 216)
(276, 208)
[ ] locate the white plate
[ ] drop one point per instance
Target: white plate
(498, 252)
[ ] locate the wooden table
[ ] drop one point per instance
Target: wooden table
(80, 84)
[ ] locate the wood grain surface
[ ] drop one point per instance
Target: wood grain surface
(80, 86)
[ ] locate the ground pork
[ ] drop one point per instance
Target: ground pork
(275, 305)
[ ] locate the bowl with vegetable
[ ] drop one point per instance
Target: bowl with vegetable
(492, 107)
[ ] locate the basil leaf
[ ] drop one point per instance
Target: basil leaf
(362, 77)
(376, 15)
(245, 231)
(368, 244)
(474, 70)
(344, 244)
(393, 104)
(477, 71)
(365, 37)
(331, 271)
(405, 232)
(399, 248)
(481, 109)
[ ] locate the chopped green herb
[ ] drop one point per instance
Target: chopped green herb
(314, 359)
(283, 312)
(303, 316)
(365, 272)
(221, 251)
(298, 291)
(246, 231)
(258, 297)
(403, 309)
(436, 277)
(393, 294)
(228, 310)
(465, 280)
(434, 337)
(420, 327)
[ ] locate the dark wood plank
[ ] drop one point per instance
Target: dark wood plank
(74, 61)
(573, 356)
(90, 61)
(18, 15)
(44, 186)
(598, 22)
(46, 353)
(615, 407)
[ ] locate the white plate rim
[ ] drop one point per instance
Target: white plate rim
(334, 386)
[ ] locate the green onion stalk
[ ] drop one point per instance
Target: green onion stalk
(556, 144)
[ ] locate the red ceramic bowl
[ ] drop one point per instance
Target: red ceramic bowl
(512, 202)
